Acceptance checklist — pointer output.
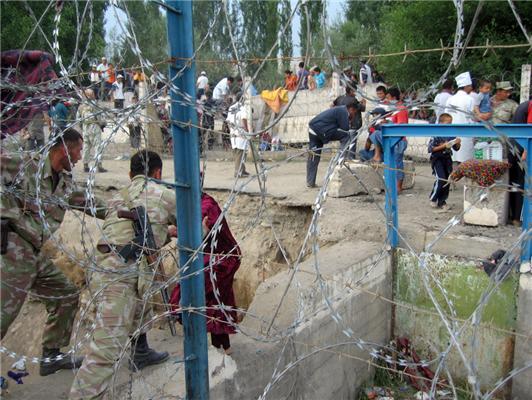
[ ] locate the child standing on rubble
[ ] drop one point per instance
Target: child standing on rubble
(442, 165)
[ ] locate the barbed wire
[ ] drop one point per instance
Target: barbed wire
(286, 337)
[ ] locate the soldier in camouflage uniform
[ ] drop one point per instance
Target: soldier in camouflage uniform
(89, 122)
(503, 107)
(121, 286)
(35, 129)
(32, 207)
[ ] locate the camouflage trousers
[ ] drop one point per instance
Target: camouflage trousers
(92, 136)
(120, 312)
(22, 269)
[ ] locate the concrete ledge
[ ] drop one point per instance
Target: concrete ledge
(325, 374)
(491, 211)
(357, 178)
(522, 383)
(354, 179)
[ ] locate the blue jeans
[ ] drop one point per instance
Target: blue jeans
(366, 155)
(398, 152)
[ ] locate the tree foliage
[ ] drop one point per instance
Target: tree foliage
(19, 30)
(286, 47)
(148, 22)
(310, 17)
(387, 27)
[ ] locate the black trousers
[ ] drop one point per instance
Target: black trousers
(442, 166)
(221, 340)
(315, 145)
(517, 178)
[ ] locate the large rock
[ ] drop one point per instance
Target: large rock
(355, 177)
(410, 169)
(491, 210)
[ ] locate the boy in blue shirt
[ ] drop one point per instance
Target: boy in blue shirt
(483, 111)
(442, 165)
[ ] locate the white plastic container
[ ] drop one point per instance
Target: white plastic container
(494, 151)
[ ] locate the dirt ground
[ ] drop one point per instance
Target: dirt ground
(261, 231)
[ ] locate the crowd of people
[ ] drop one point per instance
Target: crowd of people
(464, 105)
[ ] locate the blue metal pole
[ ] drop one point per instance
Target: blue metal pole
(188, 195)
(390, 181)
(527, 204)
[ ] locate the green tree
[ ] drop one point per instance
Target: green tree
(218, 39)
(361, 29)
(285, 39)
(412, 23)
(17, 24)
(148, 22)
(311, 11)
(259, 34)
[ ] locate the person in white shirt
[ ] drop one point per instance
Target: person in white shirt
(461, 107)
(94, 77)
(237, 117)
(102, 71)
(102, 68)
(201, 83)
(222, 89)
(118, 92)
(365, 75)
(440, 101)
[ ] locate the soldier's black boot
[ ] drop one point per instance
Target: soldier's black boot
(142, 356)
(57, 361)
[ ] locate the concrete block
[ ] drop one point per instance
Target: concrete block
(410, 169)
(349, 183)
(492, 210)
(522, 383)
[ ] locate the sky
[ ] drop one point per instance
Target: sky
(334, 14)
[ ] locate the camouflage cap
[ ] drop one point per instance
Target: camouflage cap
(504, 85)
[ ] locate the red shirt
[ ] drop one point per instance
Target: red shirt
(400, 116)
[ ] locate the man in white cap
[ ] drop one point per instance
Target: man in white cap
(461, 106)
(503, 107)
(118, 92)
(102, 71)
(201, 83)
(94, 77)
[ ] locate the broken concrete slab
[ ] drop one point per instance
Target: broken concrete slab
(491, 210)
(354, 178)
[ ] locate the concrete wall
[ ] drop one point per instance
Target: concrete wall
(333, 374)
(522, 383)
(293, 126)
(465, 285)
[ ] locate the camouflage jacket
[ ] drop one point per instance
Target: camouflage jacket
(503, 111)
(87, 115)
(28, 199)
(158, 201)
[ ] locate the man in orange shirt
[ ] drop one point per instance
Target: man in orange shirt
(290, 80)
(399, 116)
(111, 78)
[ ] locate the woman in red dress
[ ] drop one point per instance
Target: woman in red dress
(221, 259)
